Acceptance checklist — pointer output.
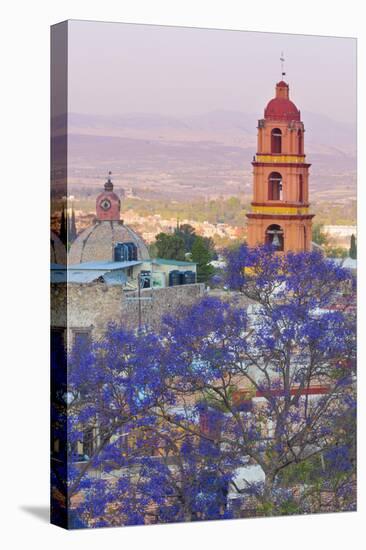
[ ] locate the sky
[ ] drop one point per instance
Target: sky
(118, 68)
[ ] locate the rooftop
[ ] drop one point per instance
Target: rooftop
(161, 261)
(347, 263)
(103, 265)
(91, 271)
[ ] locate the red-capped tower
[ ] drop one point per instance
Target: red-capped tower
(108, 204)
(280, 208)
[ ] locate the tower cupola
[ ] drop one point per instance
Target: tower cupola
(108, 204)
(281, 107)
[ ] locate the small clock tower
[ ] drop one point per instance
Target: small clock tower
(108, 204)
(280, 208)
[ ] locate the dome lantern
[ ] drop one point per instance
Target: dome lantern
(108, 204)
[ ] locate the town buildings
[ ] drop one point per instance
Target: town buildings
(108, 276)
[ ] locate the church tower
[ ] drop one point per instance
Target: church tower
(108, 204)
(98, 242)
(280, 208)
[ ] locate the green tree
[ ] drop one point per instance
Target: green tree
(73, 231)
(211, 247)
(202, 255)
(319, 237)
(170, 247)
(188, 234)
(63, 227)
(335, 252)
(353, 248)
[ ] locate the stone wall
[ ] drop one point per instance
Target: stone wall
(92, 306)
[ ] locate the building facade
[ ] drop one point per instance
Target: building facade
(280, 208)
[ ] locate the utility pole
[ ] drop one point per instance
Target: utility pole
(139, 298)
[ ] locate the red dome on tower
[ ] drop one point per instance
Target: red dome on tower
(281, 107)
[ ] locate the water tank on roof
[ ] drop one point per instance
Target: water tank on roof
(125, 252)
(132, 251)
(121, 252)
(188, 278)
(174, 277)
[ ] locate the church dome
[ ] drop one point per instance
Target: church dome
(281, 107)
(96, 243)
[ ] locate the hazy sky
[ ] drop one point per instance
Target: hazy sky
(125, 68)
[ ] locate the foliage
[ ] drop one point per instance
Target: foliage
(72, 233)
(184, 241)
(202, 255)
(63, 227)
(353, 248)
(318, 236)
(336, 252)
(182, 414)
(231, 210)
(170, 247)
(188, 234)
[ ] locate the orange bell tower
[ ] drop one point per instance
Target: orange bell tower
(280, 208)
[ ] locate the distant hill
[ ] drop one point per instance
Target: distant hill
(209, 152)
(217, 125)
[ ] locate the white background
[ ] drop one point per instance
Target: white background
(24, 218)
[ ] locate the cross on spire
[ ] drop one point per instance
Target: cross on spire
(282, 59)
(108, 186)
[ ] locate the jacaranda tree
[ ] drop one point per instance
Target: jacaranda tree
(174, 422)
(291, 347)
(173, 476)
(112, 387)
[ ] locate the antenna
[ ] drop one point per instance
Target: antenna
(282, 59)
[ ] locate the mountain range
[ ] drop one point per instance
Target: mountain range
(208, 153)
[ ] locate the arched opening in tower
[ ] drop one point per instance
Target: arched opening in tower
(276, 140)
(299, 142)
(301, 188)
(274, 236)
(275, 186)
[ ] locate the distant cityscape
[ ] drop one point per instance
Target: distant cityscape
(222, 233)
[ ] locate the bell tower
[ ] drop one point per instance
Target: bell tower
(280, 208)
(108, 204)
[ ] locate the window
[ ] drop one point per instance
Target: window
(299, 142)
(301, 188)
(275, 187)
(276, 140)
(274, 236)
(81, 338)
